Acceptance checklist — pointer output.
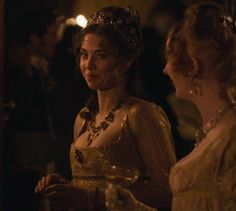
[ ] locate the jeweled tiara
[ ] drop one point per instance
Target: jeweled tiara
(124, 21)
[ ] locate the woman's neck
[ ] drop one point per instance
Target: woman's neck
(108, 98)
(209, 105)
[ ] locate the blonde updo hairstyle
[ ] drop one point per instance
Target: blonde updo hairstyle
(176, 48)
(210, 39)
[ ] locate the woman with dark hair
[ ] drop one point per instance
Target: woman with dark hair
(201, 63)
(115, 127)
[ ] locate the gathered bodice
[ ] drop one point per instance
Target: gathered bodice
(89, 164)
(206, 178)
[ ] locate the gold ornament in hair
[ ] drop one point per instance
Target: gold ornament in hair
(228, 22)
(124, 21)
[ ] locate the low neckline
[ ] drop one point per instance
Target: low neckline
(182, 162)
(102, 146)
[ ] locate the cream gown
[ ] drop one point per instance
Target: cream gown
(206, 181)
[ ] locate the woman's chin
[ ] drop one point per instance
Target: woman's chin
(96, 88)
(92, 86)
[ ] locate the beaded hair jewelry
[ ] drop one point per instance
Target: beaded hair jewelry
(124, 21)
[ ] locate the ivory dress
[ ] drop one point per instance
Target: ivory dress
(144, 142)
(205, 180)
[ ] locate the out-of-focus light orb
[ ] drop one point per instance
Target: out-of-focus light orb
(81, 21)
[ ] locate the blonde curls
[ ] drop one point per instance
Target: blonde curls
(210, 37)
(176, 48)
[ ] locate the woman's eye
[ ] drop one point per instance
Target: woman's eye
(100, 55)
(83, 54)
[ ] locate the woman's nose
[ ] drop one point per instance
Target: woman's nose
(90, 63)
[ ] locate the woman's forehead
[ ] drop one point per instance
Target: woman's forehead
(97, 41)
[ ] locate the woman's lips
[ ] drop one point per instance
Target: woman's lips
(91, 77)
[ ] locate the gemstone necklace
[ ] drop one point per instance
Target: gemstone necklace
(204, 130)
(94, 131)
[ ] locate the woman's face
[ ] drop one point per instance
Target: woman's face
(181, 82)
(99, 63)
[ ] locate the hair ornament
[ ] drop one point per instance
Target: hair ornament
(124, 21)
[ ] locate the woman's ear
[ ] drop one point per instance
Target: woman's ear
(197, 68)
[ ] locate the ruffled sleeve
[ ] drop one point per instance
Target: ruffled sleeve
(227, 174)
(152, 132)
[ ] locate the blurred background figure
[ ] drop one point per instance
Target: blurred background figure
(164, 14)
(28, 84)
(46, 89)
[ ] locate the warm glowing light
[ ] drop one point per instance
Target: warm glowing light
(81, 21)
